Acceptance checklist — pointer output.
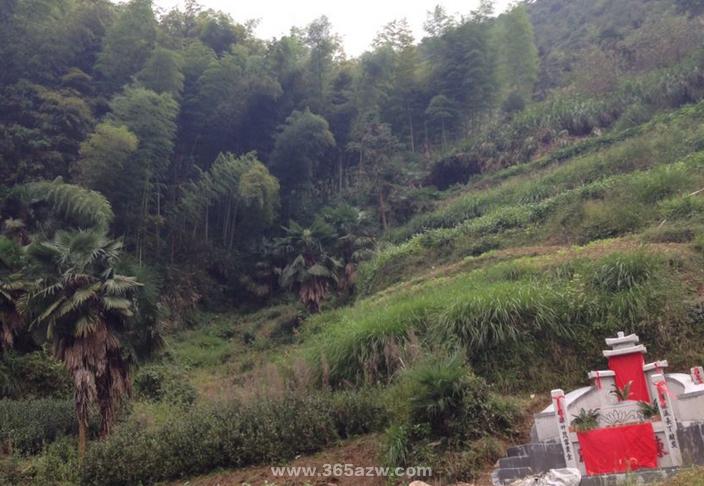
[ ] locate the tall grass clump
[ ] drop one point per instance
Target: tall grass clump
(440, 406)
(503, 313)
(498, 314)
(369, 345)
(619, 272)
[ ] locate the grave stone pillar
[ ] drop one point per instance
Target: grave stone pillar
(563, 426)
(667, 413)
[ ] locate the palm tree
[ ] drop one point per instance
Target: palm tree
(311, 270)
(13, 287)
(85, 306)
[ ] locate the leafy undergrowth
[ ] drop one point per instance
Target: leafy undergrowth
(551, 310)
(644, 180)
(501, 294)
(692, 477)
(504, 292)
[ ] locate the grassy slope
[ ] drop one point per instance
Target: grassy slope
(495, 265)
(560, 234)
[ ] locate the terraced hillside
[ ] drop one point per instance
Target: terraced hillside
(486, 303)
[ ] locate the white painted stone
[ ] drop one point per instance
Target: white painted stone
(669, 421)
(554, 477)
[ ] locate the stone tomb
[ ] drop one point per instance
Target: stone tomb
(626, 437)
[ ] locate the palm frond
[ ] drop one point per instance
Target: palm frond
(116, 303)
(81, 206)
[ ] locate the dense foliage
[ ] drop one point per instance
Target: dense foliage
(281, 246)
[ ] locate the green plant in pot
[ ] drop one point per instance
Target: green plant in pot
(623, 394)
(586, 420)
(649, 411)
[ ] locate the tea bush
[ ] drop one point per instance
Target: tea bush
(27, 425)
(32, 375)
(164, 383)
(229, 435)
(58, 464)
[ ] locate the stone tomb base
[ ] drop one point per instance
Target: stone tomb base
(539, 457)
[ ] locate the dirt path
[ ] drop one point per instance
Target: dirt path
(359, 452)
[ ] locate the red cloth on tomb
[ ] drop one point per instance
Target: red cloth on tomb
(619, 449)
(629, 368)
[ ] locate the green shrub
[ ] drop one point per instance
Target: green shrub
(682, 207)
(33, 375)
(12, 471)
(699, 243)
(57, 465)
(655, 185)
(468, 464)
(669, 234)
(503, 313)
(530, 303)
(440, 408)
(441, 396)
(357, 412)
(397, 446)
(164, 383)
(27, 425)
(227, 435)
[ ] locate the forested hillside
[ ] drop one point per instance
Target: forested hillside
(220, 251)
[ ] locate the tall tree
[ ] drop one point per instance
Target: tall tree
(377, 147)
(300, 152)
(518, 56)
(403, 103)
(84, 307)
(128, 43)
(438, 22)
(464, 70)
(323, 45)
(152, 118)
(105, 163)
(310, 270)
(234, 192)
(442, 110)
(162, 72)
(13, 287)
(40, 131)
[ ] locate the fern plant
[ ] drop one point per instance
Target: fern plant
(586, 420)
(622, 394)
(649, 410)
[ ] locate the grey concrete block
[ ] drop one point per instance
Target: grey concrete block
(638, 477)
(514, 462)
(510, 474)
(516, 451)
(692, 444)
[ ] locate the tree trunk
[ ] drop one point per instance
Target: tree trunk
(339, 173)
(444, 137)
(207, 221)
(82, 436)
(410, 128)
(226, 222)
(382, 210)
(427, 141)
(233, 224)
